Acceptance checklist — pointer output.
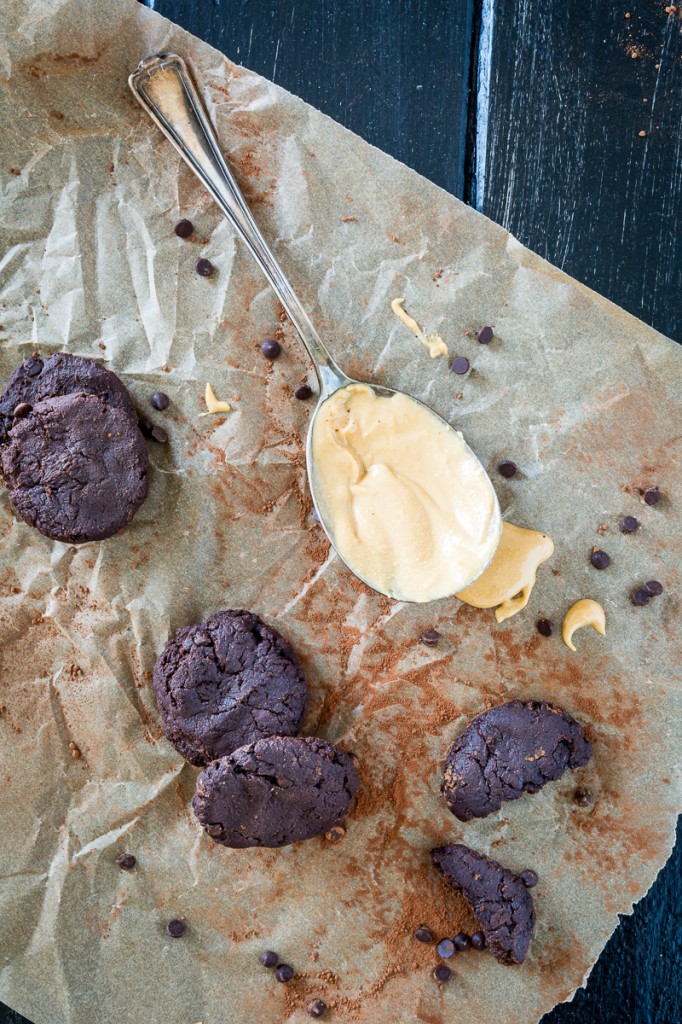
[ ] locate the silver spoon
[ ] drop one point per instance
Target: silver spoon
(163, 86)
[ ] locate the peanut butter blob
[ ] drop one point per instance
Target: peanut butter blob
(507, 582)
(408, 505)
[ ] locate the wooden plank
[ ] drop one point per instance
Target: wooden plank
(397, 74)
(573, 85)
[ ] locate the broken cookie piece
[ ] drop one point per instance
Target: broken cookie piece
(500, 901)
(508, 751)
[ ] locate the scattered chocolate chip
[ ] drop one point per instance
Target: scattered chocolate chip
(316, 1008)
(22, 410)
(583, 797)
(629, 524)
(160, 400)
(271, 349)
(446, 948)
(184, 228)
(599, 559)
(640, 597)
(652, 496)
(33, 366)
(460, 365)
(203, 267)
(159, 434)
(544, 627)
(461, 941)
(422, 934)
(145, 426)
(284, 973)
(303, 392)
(176, 929)
(529, 878)
(653, 587)
(268, 958)
(478, 940)
(485, 335)
(430, 637)
(507, 469)
(126, 861)
(442, 974)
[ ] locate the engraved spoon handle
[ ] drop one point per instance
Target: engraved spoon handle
(163, 86)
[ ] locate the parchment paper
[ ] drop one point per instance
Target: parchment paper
(578, 393)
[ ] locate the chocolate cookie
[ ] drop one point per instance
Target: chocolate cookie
(76, 468)
(229, 681)
(60, 374)
(508, 751)
(500, 901)
(275, 792)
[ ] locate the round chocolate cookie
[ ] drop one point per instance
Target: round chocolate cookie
(275, 792)
(76, 468)
(60, 374)
(228, 681)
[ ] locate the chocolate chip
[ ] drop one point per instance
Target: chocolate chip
(629, 524)
(422, 934)
(461, 941)
(442, 974)
(176, 929)
(33, 366)
(284, 973)
(430, 637)
(271, 349)
(640, 597)
(507, 469)
(160, 400)
(653, 587)
(268, 958)
(303, 392)
(583, 797)
(529, 878)
(203, 267)
(22, 410)
(446, 948)
(316, 1008)
(485, 335)
(184, 228)
(652, 496)
(126, 861)
(145, 426)
(599, 559)
(460, 365)
(159, 434)
(478, 940)
(544, 627)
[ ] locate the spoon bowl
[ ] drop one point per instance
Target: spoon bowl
(164, 88)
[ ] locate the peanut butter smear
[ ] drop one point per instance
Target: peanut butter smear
(408, 505)
(433, 342)
(507, 583)
(583, 613)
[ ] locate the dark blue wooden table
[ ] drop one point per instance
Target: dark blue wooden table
(561, 120)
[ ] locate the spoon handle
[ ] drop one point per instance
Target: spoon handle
(162, 85)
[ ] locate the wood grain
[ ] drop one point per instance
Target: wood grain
(573, 85)
(395, 73)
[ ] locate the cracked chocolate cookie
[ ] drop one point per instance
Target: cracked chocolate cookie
(508, 751)
(500, 901)
(226, 682)
(60, 374)
(76, 468)
(275, 792)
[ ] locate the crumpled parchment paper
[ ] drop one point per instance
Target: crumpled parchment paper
(581, 395)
